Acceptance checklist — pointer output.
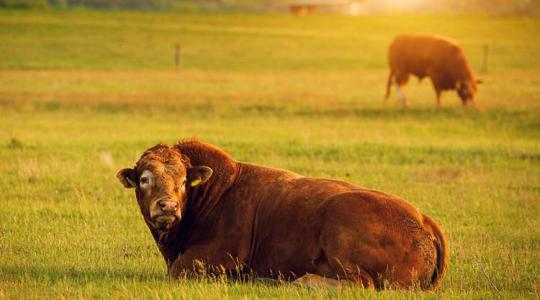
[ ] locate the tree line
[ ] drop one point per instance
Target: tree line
(520, 7)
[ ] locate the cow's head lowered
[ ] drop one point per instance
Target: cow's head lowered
(466, 90)
(162, 178)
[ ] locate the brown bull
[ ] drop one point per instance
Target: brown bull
(205, 208)
(440, 59)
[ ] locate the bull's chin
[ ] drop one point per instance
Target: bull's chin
(165, 222)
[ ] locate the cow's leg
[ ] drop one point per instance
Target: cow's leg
(438, 91)
(389, 86)
(401, 96)
(438, 95)
(401, 80)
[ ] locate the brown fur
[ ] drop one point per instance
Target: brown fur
(438, 58)
(278, 224)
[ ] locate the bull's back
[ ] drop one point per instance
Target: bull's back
(298, 219)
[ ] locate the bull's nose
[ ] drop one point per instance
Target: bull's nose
(168, 206)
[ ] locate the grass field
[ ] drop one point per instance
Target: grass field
(82, 94)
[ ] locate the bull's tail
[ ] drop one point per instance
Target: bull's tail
(389, 85)
(441, 245)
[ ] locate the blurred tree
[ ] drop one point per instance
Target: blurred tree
(58, 3)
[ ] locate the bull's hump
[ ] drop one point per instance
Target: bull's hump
(275, 173)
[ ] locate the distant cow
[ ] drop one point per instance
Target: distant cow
(440, 59)
(210, 213)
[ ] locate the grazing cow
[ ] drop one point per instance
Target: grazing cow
(210, 213)
(440, 59)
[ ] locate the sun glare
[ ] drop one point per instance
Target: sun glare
(405, 5)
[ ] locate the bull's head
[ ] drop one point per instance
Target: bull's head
(466, 90)
(162, 177)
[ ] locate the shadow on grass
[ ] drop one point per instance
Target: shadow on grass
(385, 113)
(54, 274)
(518, 119)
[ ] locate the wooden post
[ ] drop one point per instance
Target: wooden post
(178, 57)
(485, 62)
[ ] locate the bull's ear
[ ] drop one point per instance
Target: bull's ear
(127, 177)
(198, 175)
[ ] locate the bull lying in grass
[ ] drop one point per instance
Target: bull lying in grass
(204, 208)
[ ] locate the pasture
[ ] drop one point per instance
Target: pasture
(83, 93)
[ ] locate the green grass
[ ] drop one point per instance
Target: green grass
(107, 40)
(82, 94)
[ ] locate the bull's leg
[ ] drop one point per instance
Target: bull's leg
(335, 272)
(357, 279)
(316, 281)
(192, 264)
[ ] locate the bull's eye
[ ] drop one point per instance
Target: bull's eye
(146, 180)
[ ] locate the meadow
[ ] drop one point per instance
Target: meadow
(83, 94)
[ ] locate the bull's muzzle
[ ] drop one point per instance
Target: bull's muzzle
(167, 206)
(165, 213)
